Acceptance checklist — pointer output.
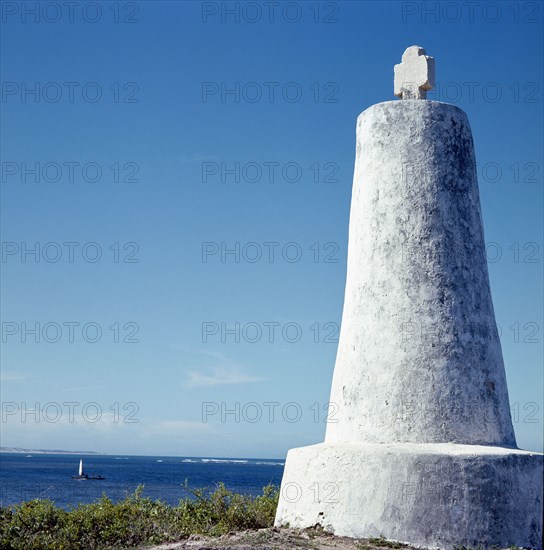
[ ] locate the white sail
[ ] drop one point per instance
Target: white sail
(81, 467)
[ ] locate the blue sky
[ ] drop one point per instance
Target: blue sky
(167, 132)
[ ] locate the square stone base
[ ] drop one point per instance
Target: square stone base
(434, 495)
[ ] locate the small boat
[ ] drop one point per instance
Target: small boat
(82, 476)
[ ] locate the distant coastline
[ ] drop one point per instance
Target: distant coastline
(203, 459)
(45, 451)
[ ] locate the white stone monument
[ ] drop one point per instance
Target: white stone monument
(422, 448)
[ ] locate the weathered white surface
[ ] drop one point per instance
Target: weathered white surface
(419, 385)
(436, 495)
(414, 76)
(419, 357)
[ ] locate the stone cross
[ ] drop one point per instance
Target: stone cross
(415, 74)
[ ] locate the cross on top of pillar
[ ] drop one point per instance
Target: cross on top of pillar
(414, 76)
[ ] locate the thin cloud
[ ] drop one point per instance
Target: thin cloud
(176, 427)
(83, 388)
(11, 377)
(221, 372)
(219, 376)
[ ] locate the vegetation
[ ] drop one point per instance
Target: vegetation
(380, 542)
(136, 520)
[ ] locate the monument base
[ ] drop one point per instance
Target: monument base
(434, 495)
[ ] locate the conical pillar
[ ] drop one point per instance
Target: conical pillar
(419, 357)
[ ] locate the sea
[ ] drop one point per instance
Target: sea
(30, 476)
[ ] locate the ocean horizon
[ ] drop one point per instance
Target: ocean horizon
(37, 474)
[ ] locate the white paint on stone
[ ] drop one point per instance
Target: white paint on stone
(433, 495)
(422, 447)
(419, 358)
(414, 76)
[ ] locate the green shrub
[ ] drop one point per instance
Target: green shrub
(135, 520)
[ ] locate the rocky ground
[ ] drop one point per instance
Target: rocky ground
(274, 538)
